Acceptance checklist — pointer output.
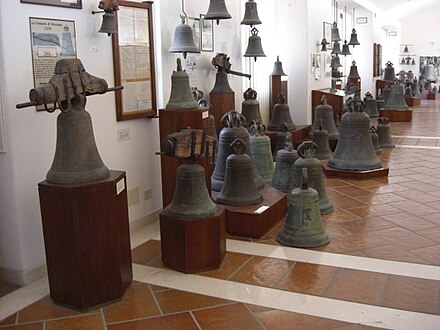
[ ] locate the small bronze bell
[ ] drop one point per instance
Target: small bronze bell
(396, 99)
(375, 140)
(320, 137)
(278, 68)
(408, 92)
(353, 72)
(304, 227)
(251, 14)
(217, 11)
(284, 167)
(181, 96)
(108, 24)
(370, 105)
(250, 107)
(307, 152)
(260, 151)
(281, 114)
(239, 187)
(388, 72)
(345, 49)
(254, 48)
(336, 48)
(335, 32)
(353, 39)
(380, 102)
(324, 116)
(183, 40)
(280, 139)
(384, 133)
(415, 88)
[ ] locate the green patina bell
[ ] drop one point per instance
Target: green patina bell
(370, 105)
(250, 107)
(304, 227)
(285, 159)
(181, 95)
(260, 151)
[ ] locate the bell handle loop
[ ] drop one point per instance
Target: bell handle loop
(307, 149)
(304, 179)
(66, 94)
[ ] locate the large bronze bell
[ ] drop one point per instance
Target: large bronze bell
(239, 187)
(370, 105)
(217, 11)
(429, 73)
(183, 40)
(281, 114)
(416, 89)
(260, 151)
(181, 95)
(396, 99)
(324, 117)
(304, 227)
(388, 72)
(233, 129)
(250, 107)
(278, 68)
(320, 137)
(280, 139)
(254, 48)
(384, 133)
(375, 140)
(354, 150)
(386, 93)
(251, 14)
(284, 167)
(307, 152)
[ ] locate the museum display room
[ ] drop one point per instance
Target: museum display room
(219, 164)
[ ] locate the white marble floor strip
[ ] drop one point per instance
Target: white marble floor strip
(416, 137)
(415, 147)
(335, 259)
(293, 302)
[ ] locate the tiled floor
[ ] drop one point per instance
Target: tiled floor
(380, 270)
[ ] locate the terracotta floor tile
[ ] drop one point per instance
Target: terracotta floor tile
(364, 183)
(331, 183)
(422, 178)
(403, 238)
(274, 231)
(435, 205)
(278, 320)
(387, 188)
(173, 301)
(262, 271)
(269, 241)
(365, 225)
(27, 326)
(181, 321)
(235, 316)
(339, 215)
(258, 309)
(307, 278)
(335, 229)
(345, 202)
(414, 294)
(392, 252)
(420, 186)
(430, 254)
(9, 320)
(146, 252)
(358, 286)
(409, 221)
(398, 179)
(434, 217)
(373, 210)
(413, 207)
(156, 262)
(136, 303)
(435, 193)
(381, 198)
(158, 288)
(230, 264)
(355, 242)
(353, 191)
(6, 288)
(87, 322)
(403, 171)
(433, 234)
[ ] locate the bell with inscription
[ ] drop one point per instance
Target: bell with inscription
(375, 140)
(324, 117)
(320, 137)
(284, 167)
(384, 133)
(281, 114)
(304, 227)
(260, 151)
(354, 151)
(239, 187)
(388, 72)
(250, 107)
(370, 105)
(307, 152)
(396, 99)
(181, 95)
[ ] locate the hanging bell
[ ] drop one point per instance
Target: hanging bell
(181, 96)
(336, 48)
(260, 151)
(254, 48)
(250, 14)
(307, 152)
(353, 72)
(278, 68)
(280, 139)
(281, 114)
(183, 39)
(335, 32)
(239, 188)
(217, 11)
(370, 105)
(406, 50)
(320, 138)
(416, 89)
(284, 166)
(337, 62)
(250, 108)
(304, 227)
(388, 72)
(345, 49)
(375, 140)
(354, 150)
(233, 129)
(402, 61)
(354, 39)
(429, 73)
(396, 99)
(324, 44)
(384, 133)
(324, 117)
(108, 24)
(413, 62)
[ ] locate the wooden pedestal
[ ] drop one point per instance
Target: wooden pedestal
(193, 245)
(431, 96)
(171, 121)
(221, 103)
(412, 101)
(336, 101)
(335, 173)
(380, 85)
(298, 135)
(276, 86)
(396, 115)
(87, 241)
(256, 220)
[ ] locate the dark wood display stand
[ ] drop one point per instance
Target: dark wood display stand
(87, 241)
(335, 100)
(360, 175)
(193, 245)
(221, 104)
(412, 101)
(276, 86)
(380, 85)
(245, 221)
(431, 96)
(298, 135)
(171, 121)
(396, 115)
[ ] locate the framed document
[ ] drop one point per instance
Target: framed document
(59, 3)
(133, 61)
(207, 34)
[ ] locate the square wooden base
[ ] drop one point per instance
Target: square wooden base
(256, 220)
(396, 115)
(360, 175)
(192, 245)
(412, 101)
(431, 96)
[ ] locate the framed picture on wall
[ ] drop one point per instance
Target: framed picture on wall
(207, 34)
(77, 4)
(327, 29)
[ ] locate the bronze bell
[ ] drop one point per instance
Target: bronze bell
(353, 39)
(336, 62)
(415, 89)
(380, 102)
(335, 32)
(354, 151)
(217, 11)
(280, 139)
(181, 96)
(324, 116)
(384, 133)
(250, 107)
(320, 138)
(429, 73)
(108, 24)
(284, 166)
(336, 50)
(254, 48)
(233, 129)
(239, 187)
(396, 99)
(281, 114)
(353, 71)
(278, 68)
(324, 44)
(337, 121)
(386, 93)
(221, 85)
(388, 72)
(345, 49)
(304, 227)
(375, 140)
(307, 152)
(260, 151)
(345, 107)
(183, 40)
(251, 14)
(408, 92)
(370, 105)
